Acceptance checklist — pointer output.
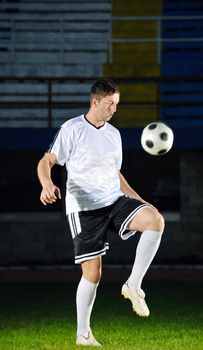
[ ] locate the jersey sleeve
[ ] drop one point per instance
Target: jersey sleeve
(120, 153)
(61, 145)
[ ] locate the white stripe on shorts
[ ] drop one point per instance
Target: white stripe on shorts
(89, 256)
(74, 222)
(128, 234)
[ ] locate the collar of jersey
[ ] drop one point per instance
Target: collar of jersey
(96, 127)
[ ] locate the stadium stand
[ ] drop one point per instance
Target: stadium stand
(49, 39)
(181, 94)
(50, 51)
(136, 60)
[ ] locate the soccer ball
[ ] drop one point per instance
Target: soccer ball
(157, 138)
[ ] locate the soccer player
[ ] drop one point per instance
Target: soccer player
(99, 198)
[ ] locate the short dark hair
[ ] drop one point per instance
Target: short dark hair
(103, 87)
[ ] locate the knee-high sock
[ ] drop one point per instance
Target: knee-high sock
(145, 252)
(85, 297)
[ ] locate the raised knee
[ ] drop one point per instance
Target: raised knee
(155, 221)
(159, 222)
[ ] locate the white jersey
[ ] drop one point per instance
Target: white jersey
(93, 157)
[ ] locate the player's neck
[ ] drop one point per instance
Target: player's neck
(94, 120)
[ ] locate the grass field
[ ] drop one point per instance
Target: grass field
(41, 316)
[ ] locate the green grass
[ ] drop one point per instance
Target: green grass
(41, 316)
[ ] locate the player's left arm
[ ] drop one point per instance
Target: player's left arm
(128, 190)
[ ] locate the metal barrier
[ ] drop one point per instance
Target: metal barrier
(109, 40)
(158, 40)
(49, 102)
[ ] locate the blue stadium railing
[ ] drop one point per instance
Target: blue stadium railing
(181, 98)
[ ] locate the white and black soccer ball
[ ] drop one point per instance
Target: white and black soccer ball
(157, 138)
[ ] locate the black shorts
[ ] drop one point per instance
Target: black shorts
(90, 228)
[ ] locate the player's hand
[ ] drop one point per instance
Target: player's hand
(50, 194)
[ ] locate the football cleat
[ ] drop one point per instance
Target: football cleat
(87, 339)
(137, 298)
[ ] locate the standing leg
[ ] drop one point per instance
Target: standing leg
(86, 294)
(151, 223)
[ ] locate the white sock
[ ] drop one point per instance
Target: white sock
(146, 249)
(85, 297)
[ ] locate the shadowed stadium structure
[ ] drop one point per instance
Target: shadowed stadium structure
(51, 52)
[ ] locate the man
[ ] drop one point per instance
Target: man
(99, 198)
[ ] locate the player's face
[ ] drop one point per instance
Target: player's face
(107, 106)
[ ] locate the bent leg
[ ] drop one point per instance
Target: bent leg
(151, 223)
(147, 219)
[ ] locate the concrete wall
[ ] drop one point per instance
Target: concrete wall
(191, 187)
(35, 238)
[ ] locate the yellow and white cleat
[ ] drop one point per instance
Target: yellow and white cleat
(137, 298)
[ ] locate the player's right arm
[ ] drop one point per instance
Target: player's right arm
(50, 193)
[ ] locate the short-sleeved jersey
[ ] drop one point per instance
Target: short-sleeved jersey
(93, 157)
